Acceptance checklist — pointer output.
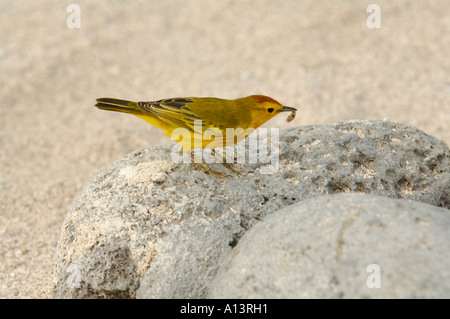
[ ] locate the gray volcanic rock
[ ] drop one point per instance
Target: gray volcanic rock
(151, 228)
(342, 246)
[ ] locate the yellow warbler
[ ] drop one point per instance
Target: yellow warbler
(242, 116)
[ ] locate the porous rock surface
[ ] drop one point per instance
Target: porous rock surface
(148, 227)
(342, 246)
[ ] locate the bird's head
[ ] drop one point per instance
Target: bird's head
(263, 108)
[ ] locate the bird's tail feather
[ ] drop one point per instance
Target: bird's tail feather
(117, 105)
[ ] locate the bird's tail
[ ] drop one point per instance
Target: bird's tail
(117, 105)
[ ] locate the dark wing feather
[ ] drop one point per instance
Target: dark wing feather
(175, 112)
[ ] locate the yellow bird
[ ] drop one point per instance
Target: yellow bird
(197, 122)
(198, 115)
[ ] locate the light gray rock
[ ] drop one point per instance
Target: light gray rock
(150, 228)
(342, 246)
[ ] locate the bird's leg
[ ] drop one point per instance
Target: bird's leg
(228, 165)
(205, 168)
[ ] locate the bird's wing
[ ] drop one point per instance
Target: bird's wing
(177, 112)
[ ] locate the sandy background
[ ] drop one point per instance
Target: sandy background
(316, 55)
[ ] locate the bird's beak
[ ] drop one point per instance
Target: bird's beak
(287, 109)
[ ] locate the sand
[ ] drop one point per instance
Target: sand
(318, 56)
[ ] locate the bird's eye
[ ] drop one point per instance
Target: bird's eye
(270, 109)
